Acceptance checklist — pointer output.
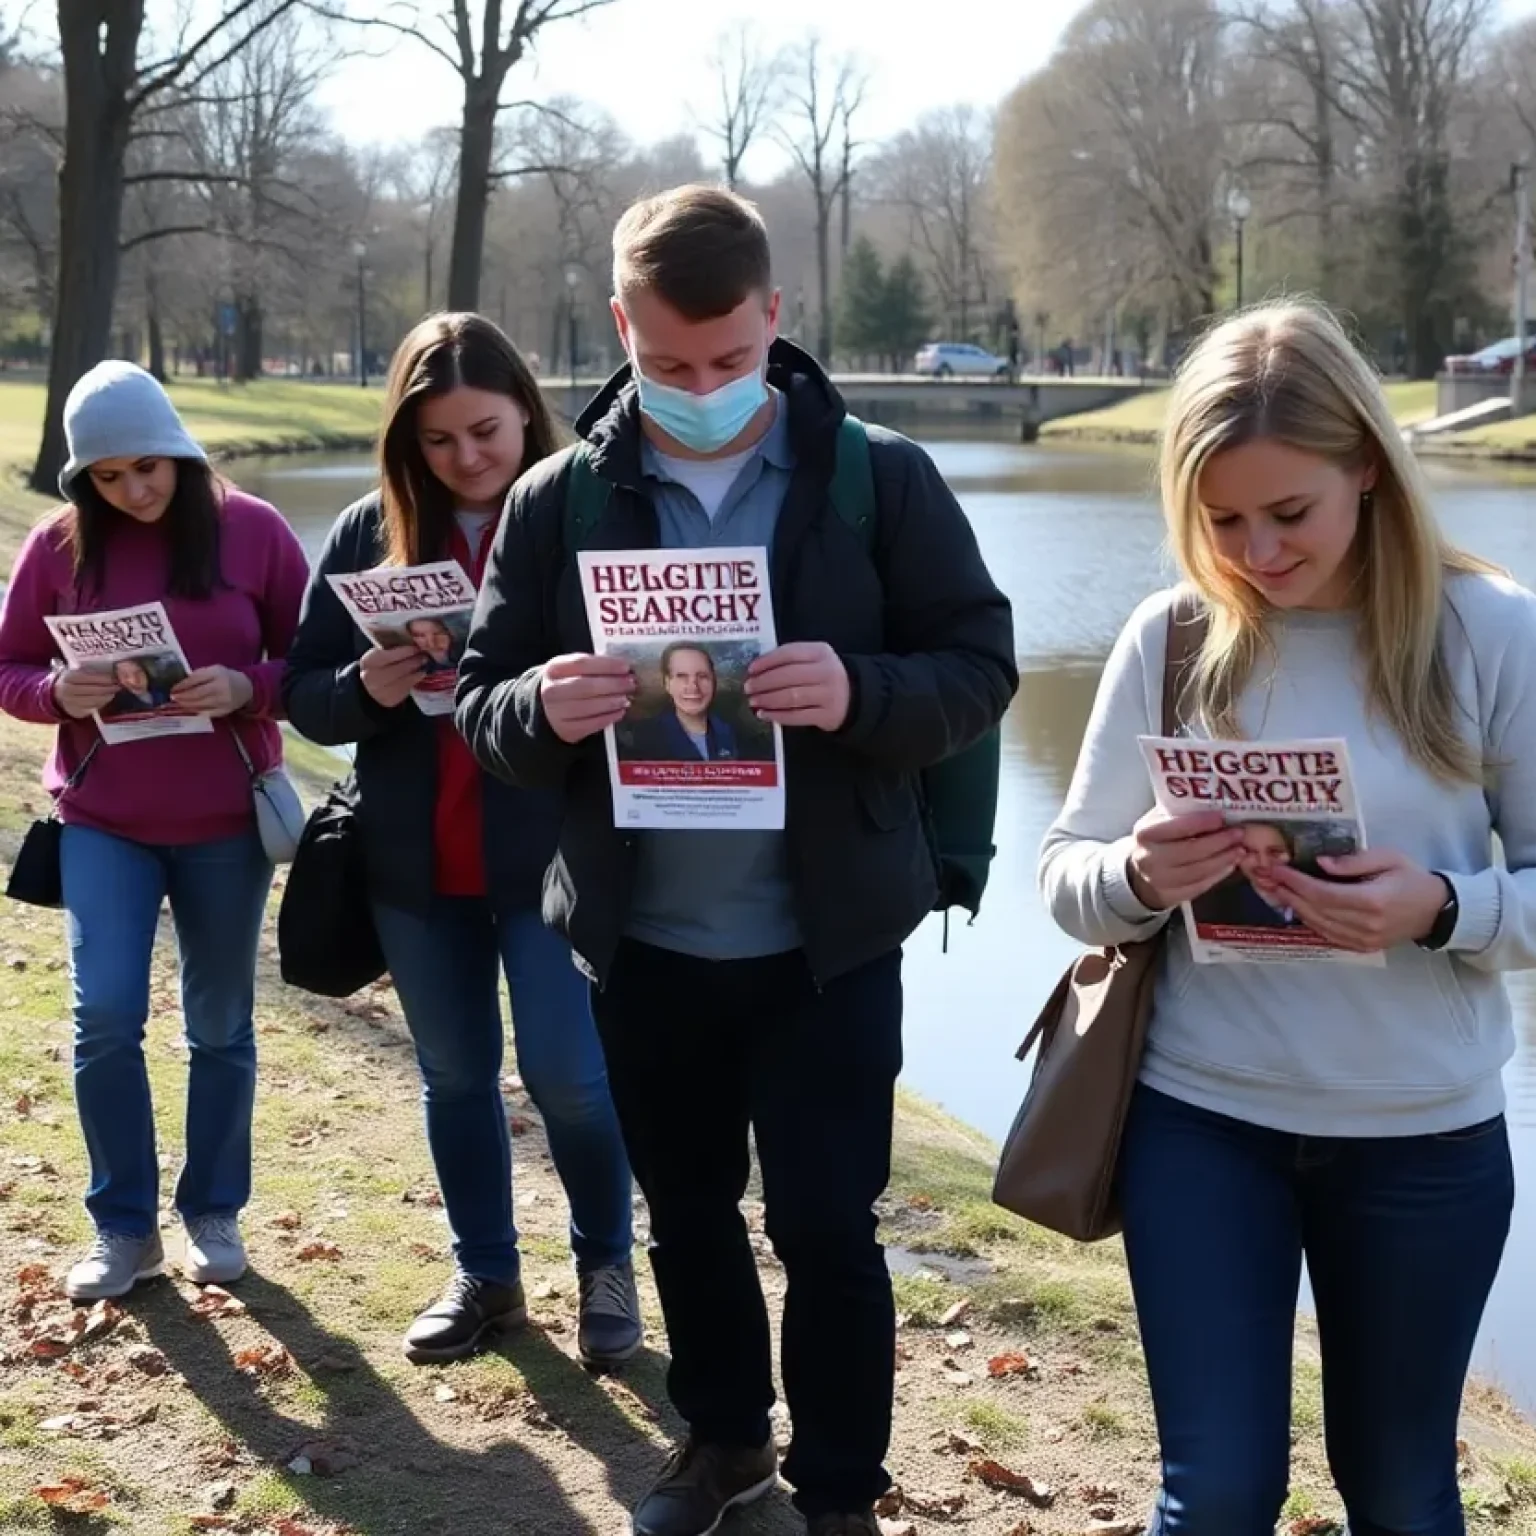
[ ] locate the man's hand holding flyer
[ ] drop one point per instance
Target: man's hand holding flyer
(1295, 803)
(138, 650)
(690, 752)
(425, 606)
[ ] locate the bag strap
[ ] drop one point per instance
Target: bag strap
(852, 490)
(73, 781)
(245, 757)
(1187, 625)
(586, 498)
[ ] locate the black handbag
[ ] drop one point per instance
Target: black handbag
(326, 940)
(36, 874)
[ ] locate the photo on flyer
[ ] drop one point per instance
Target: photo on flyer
(138, 649)
(426, 606)
(690, 752)
(1295, 804)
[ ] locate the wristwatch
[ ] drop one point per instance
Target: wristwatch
(1444, 925)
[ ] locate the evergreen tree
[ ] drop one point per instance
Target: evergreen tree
(861, 303)
(904, 318)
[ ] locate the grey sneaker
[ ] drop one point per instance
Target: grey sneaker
(114, 1266)
(215, 1254)
(609, 1332)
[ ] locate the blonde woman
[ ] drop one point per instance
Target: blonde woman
(1349, 1114)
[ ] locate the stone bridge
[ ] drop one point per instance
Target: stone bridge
(900, 400)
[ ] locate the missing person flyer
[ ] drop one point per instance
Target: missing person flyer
(1295, 802)
(690, 753)
(139, 650)
(428, 606)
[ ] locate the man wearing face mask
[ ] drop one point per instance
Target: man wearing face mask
(745, 981)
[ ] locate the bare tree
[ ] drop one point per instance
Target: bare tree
(822, 103)
(482, 63)
(749, 82)
(939, 175)
(105, 87)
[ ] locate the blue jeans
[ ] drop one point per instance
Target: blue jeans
(113, 889)
(444, 966)
(1402, 1238)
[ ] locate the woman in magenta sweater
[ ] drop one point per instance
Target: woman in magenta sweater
(164, 817)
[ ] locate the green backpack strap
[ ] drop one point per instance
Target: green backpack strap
(586, 498)
(960, 793)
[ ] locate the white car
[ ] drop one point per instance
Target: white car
(959, 359)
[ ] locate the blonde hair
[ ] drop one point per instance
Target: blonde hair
(1289, 373)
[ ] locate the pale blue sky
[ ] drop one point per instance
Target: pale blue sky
(646, 61)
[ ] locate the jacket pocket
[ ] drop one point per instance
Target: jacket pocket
(889, 800)
(1447, 978)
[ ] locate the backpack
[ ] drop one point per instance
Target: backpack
(959, 794)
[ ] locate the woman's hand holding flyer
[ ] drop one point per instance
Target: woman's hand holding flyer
(81, 691)
(1177, 858)
(388, 674)
(1389, 900)
(213, 691)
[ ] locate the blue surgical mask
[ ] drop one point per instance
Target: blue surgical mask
(704, 423)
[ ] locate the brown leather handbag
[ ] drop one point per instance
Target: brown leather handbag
(1059, 1160)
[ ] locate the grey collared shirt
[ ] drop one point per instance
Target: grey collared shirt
(714, 894)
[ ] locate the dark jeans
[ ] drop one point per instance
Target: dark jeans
(445, 965)
(698, 1053)
(113, 892)
(1402, 1237)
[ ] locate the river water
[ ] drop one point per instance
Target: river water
(1074, 537)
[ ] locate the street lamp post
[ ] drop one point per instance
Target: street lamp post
(360, 250)
(1239, 206)
(572, 283)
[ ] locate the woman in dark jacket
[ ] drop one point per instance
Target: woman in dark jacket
(455, 859)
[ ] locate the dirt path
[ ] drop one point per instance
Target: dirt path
(289, 1411)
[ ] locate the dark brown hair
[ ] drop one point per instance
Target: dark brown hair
(445, 352)
(677, 647)
(701, 249)
(191, 523)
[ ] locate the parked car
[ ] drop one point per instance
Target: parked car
(959, 359)
(1497, 358)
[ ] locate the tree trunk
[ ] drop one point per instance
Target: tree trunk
(248, 338)
(426, 281)
(152, 321)
(98, 40)
(477, 135)
(824, 279)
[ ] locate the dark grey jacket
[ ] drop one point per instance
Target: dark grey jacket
(925, 633)
(397, 748)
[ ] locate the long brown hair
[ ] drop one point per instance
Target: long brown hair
(445, 352)
(191, 523)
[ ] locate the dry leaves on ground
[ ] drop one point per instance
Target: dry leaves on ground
(215, 1302)
(264, 1360)
(995, 1475)
(1013, 1363)
(322, 1458)
(956, 1314)
(310, 1252)
(72, 1496)
(287, 1221)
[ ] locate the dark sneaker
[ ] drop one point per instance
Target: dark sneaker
(610, 1330)
(468, 1310)
(861, 1524)
(114, 1266)
(700, 1485)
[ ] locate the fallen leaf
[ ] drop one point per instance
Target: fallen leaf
(312, 1251)
(1014, 1363)
(920, 1202)
(74, 1370)
(1023, 1528)
(424, 1250)
(1116, 1528)
(219, 1495)
(1306, 1525)
(101, 1320)
(23, 1105)
(27, 1163)
(963, 1445)
(73, 1495)
(956, 1314)
(263, 1360)
(889, 1503)
(958, 1341)
(444, 1393)
(995, 1475)
(1098, 1493)
(325, 1458)
(519, 1125)
(215, 1302)
(300, 1140)
(147, 1361)
(61, 1422)
(933, 1506)
(288, 1526)
(7, 1189)
(212, 1522)
(287, 1221)
(423, 1197)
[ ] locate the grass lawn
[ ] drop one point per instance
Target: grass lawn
(289, 1411)
(273, 414)
(1139, 419)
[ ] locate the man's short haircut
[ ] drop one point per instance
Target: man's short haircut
(699, 248)
(685, 645)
